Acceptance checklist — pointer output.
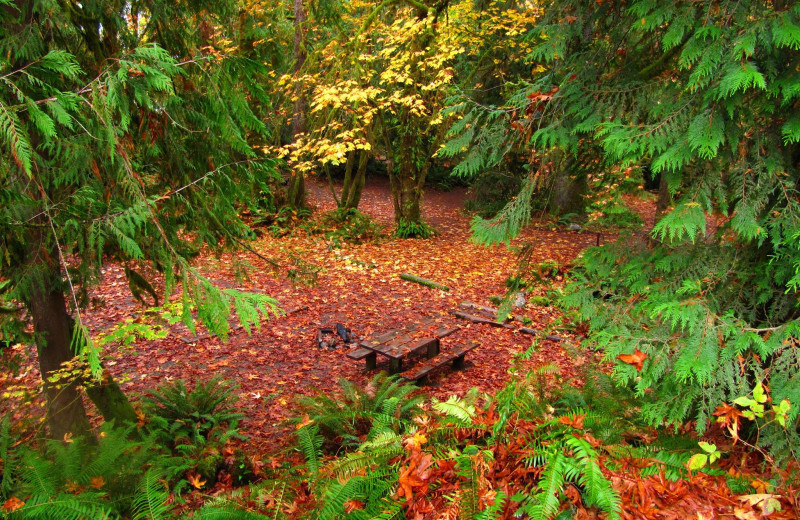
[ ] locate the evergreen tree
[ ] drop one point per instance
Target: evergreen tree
(127, 133)
(706, 95)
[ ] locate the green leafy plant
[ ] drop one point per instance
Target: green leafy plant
(698, 96)
(87, 479)
(345, 419)
(194, 424)
(412, 229)
(350, 226)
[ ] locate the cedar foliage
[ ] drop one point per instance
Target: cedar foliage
(127, 131)
(706, 95)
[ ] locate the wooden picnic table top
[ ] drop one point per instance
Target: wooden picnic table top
(399, 343)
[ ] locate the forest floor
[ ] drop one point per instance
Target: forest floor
(357, 285)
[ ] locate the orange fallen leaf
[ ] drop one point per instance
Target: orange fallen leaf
(636, 359)
(575, 421)
(728, 416)
(306, 421)
(97, 482)
(416, 441)
(12, 504)
(353, 505)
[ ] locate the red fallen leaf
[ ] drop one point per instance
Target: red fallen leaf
(575, 421)
(636, 359)
(353, 505)
(727, 415)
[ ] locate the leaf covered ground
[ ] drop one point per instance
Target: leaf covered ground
(358, 285)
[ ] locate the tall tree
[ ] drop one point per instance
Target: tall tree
(297, 187)
(126, 133)
(704, 93)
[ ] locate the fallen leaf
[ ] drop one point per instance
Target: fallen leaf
(196, 481)
(636, 359)
(12, 504)
(353, 505)
(575, 421)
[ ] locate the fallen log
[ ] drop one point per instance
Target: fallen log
(423, 281)
(481, 319)
(488, 311)
(534, 332)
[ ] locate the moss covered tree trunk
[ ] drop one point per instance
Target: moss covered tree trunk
(569, 185)
(354, 180)
(407, 179)
(664, 198)
(110, 400)
(66, 414)
(406, 194)
(53, 328)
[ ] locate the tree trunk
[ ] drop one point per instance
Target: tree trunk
(110, 400)
(348, 179)
(567, 189)
(406, 196)
(51, 324)
(358, 182)
(297, 185)
(408, 181)
(663, 198)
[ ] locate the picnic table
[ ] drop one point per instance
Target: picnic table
(400, 344)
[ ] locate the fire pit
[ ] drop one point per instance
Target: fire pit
(332, 337)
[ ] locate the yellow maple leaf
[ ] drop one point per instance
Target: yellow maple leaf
(196, 481)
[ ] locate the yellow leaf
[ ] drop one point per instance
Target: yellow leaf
(196, 481)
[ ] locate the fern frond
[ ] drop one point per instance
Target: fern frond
(151, 500)
(310, 442)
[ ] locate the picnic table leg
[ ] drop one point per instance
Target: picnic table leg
(433, 349)
(395, 366)
(372, 360)
(458, 363)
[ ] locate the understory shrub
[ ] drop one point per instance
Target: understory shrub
(345, 418)
(350, 225)
(194, 424)
(700, 329)
(409, 229)
(83, 479)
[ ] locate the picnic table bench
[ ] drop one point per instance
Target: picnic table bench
(455, 354)
(400, 344)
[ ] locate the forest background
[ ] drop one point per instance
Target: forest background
(149, 133)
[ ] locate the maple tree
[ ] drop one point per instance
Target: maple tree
(380, 90)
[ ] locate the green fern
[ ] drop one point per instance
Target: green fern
(310, 443)
(151, 501)
(347, 418)
(457, 408)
